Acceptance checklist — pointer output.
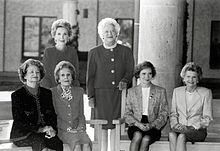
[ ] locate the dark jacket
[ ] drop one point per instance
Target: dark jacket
(52, 57)
(25, 111)
(107, 68)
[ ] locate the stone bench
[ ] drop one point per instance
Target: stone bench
(6, 123)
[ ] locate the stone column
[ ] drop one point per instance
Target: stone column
(161, 39)
(70, 9)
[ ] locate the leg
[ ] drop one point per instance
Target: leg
(145, 143)
(77, 148)
(172, 141)
(135, 142)
(112, 139)
(104, 139)
(181, 142)
(86, 147)
(35, 140)
(54, 143)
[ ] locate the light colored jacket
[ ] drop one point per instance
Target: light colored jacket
(157, 107)
(193, 112)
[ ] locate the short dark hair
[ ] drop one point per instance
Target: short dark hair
(22, 70)
(144, 65)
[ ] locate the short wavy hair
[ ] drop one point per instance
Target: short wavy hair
(22, 70)
(60, 23)
(144, 65)
(108, 21)
(191, 66)
(61, 65)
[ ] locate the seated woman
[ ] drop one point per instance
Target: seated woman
(146, 109)
(32, 110)
(191, 109)
(68, 104)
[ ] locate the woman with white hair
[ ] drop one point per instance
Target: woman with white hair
(110, 69)
(191, 109)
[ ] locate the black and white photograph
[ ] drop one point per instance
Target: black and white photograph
(109, 75)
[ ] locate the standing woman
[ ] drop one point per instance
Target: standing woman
(110, 69)
(191, 109)
(146, 109)
(32, 110)
(61, 32)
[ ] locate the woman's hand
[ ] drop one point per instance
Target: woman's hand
(81, 129)
(50, 132)
(143, 127)
(122, 85)
(179, 128)
(92, 102)
(204, 122)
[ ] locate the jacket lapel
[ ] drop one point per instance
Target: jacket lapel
(139, 98)
(191, 104)
(152, 99)
(181, 99)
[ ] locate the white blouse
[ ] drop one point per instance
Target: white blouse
(145, 99)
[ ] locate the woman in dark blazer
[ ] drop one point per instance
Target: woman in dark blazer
(146, 109)
(110, 69)
(32, 110)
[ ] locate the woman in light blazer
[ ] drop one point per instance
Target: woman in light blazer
(146, 109)
(191, 109)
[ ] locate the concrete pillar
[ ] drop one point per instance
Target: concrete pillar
(161, 39)
(70, 8)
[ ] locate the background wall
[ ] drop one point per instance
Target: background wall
(205, 11)
(15, 9)
(1, 32)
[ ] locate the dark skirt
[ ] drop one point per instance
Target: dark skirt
(38, 142)
(194, 135)
(154, 133)
(107, 106)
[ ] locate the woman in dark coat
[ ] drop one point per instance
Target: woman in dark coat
(61, 32)
(110, 69)
(32, 110)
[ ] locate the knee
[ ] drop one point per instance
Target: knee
(86, 146)
(77, 147)
(182, 137)
(146, 138)
(172, 135)
(137, 136)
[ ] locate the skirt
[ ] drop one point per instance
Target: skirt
(154, 133)
(38, 142)
(107, 106)
(73, 139)
(195, 135)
